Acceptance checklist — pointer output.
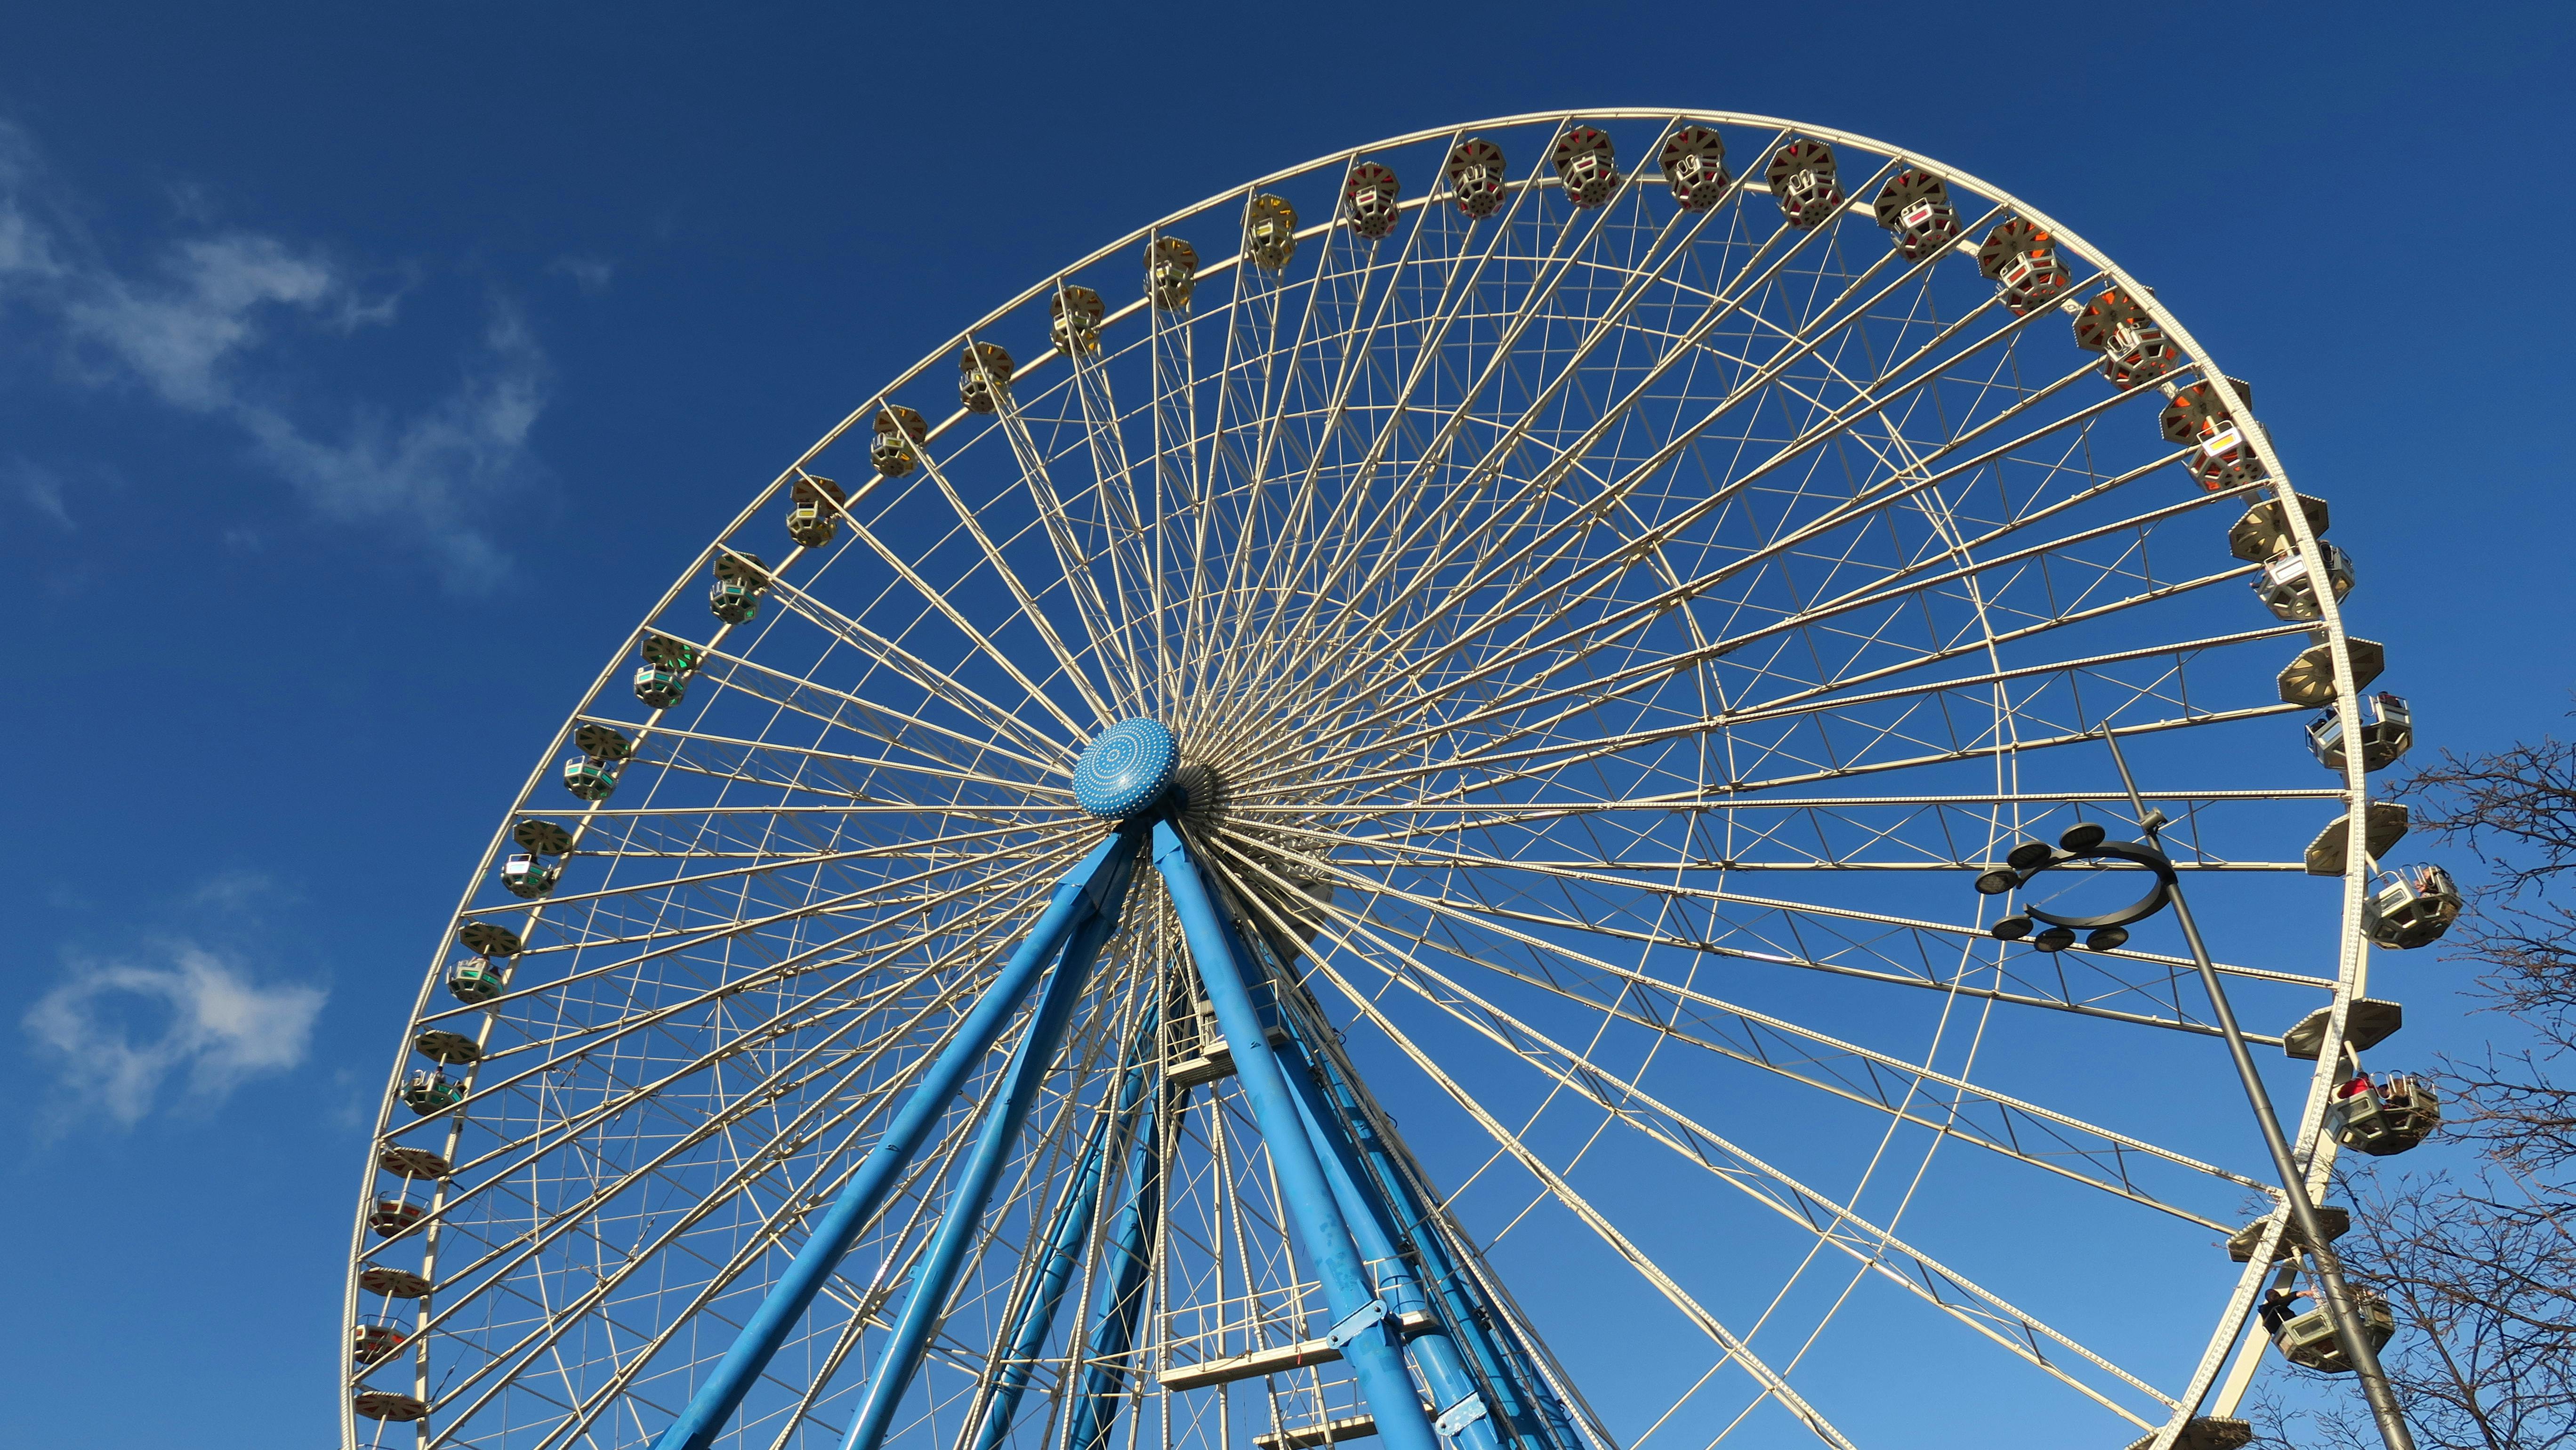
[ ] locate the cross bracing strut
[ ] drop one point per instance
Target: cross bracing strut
(1130, 1117)
(1381, 1199)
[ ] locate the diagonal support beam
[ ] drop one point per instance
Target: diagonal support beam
(1363, 1160)
(1079, 898)
(1454, 1391)
(964, 1219)
(1068, 1232)
(1323, 1234)
(1125, 1260)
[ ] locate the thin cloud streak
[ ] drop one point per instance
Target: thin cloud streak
(187, 331)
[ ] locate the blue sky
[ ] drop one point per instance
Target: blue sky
(364, 377)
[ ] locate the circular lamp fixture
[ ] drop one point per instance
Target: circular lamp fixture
(2087, 841)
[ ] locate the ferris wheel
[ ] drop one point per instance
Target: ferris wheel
(1529, 786)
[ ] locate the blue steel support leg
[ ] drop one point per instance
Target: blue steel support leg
(1507, 1366)
(1452, 1385)
(1373, 1350)
(962, 1220)
(1120, 1300)
(1070, 1230)
(1507, 1346)
(722, 1392)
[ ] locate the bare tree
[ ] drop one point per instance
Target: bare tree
(2484, 1291)
(2517, 810)
(2479, 1265)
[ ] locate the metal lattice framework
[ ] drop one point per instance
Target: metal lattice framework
(1608, 621)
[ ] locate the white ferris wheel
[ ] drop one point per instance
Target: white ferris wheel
(1475, 793)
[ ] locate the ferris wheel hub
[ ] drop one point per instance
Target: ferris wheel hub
(1126, 770)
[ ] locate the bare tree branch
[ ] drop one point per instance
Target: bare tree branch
(2516, 808)
(2480, 1270)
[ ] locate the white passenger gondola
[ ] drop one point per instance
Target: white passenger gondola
(2387, 729)
(2385, 1117)
(2020, 258)
(2134, 347)
(1369, 197)
(1586, 164)
(2410, 907)
(392, 1216)
(2289, 590)
(475, 981)
(1171, 272)
(528, 876)
(1915, 208)
(370, 1343)
(900, 432)
(1270, 232)
(431, 1092)
(1802, 179)
(1694, 165)
(983, 376)
(813, 512)
(2308, 1338)
(1476, 180)
(735, 596)
(1073, 320)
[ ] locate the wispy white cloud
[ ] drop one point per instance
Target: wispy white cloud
(26, 251)
(26, 248)
(188, 330)
(431, 468)
(40, 489)
(232, 890)
(121, 1034)
(591, 274)
(176, 333)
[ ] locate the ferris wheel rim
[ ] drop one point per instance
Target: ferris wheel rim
(984, 325)
(2277, 482)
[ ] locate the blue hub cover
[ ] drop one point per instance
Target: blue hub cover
(1125, 770)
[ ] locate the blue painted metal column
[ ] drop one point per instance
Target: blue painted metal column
(963, 1218)
(1508, 1367)
(1366, 1333)
(1454, 1392)
(722, 1393)
(1121, 1297)
(1066, 1234)
(1126, 774)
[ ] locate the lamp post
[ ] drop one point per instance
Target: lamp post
(2087, 842)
